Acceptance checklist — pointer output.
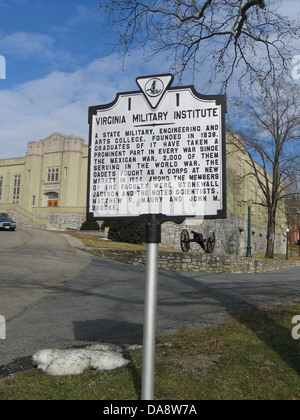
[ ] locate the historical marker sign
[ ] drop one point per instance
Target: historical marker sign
(159, 150)
(157, 154)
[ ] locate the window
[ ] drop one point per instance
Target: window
(239, 167)
(260, 200)
(252, 188)
(17, 186)
(1, 187)
(252, 185)
(239, 180)
(53, 175)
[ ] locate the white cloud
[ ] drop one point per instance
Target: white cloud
(83, 16)
(60, 101)
(38, 48)
(289, 8)
(27, 45)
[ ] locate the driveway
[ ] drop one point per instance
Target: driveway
(73, 299)
(33, 264)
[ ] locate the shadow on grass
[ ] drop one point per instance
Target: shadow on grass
(135, 375)
(264, 325)
(273, 334)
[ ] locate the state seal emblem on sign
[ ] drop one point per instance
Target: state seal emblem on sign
(154, 87)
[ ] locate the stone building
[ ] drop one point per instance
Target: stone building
(232, 233)
(48, 189)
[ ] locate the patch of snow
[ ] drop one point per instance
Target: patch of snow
(76, 361)
(134, 347)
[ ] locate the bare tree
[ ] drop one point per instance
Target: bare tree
(271, 140)
(219, 37)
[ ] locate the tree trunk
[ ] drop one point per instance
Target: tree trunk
(271, 235)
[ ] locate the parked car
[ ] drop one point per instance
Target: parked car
(6, 222)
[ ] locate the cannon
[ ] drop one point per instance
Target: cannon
(207, 244)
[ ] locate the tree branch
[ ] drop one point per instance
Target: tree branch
(243, 15)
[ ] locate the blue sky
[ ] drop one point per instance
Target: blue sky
(57, 66)
(40, 36)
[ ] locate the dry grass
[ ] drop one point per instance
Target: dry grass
(293, 255)
(97, 242)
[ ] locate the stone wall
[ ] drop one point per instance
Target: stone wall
(64, 221)
(59, 221)
(196, 262)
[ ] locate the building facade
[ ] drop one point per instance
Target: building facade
(47, 186)
(294, 227)
(48, 189)
(232, 233)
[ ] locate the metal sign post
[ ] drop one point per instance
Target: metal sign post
(157, 155)
(153, 238)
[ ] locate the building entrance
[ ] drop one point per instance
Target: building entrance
(52, 203)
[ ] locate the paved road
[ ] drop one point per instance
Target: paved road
(33, 264)
(54, 295)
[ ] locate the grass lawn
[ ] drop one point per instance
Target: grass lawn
(251, 357)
